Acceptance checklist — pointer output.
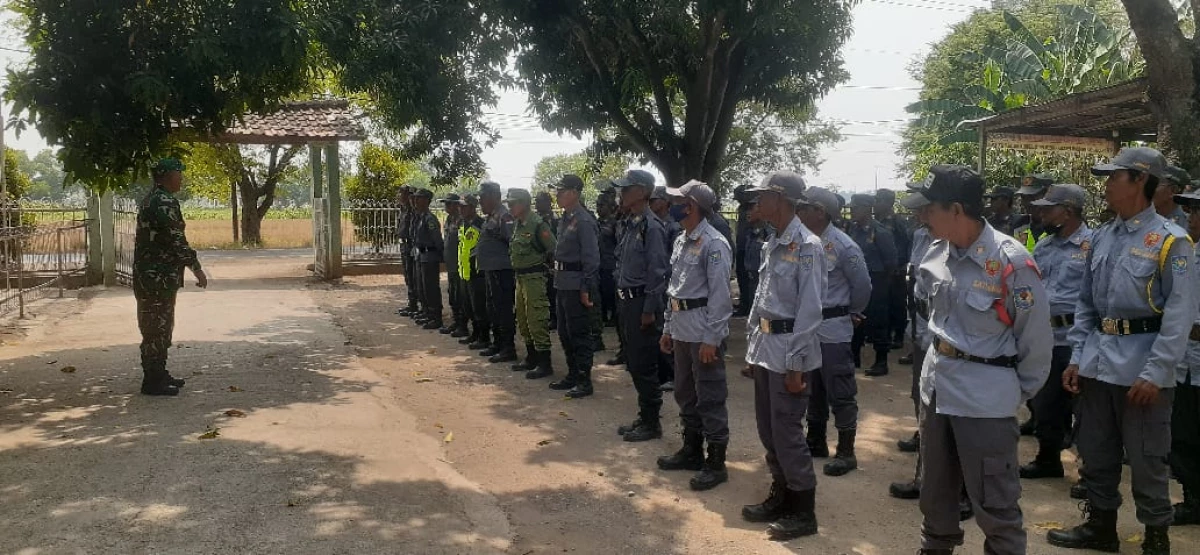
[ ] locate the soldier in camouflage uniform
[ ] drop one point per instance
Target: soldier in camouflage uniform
(160, 253)
(531, 246)
(545, 208)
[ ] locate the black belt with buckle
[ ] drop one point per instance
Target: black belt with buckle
(922, 308)
(568, 266)
(835, 312)
(530, 270)
(776, 326)
(631, 293)
(1112, 326)
(680, 305)
(426, 249)
(1062, 321)
(945, 349)
(1195, 335)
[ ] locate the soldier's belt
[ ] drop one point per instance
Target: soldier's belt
(776, 326)
(835, 312)
(680, 305)
(945, 349)
(1195, 335)
(1062, 321)
(631, 293)
(530, 270)
(568, 266)
(922, 308)
(1112, 326)
(426, 249)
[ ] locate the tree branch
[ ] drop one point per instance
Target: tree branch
(654, 73)
(724, 124)
(1171, 68)
(700, 97)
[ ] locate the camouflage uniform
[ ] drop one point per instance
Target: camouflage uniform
(161, 251)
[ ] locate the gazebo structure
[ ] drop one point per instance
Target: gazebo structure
(322, 125)
(1096, 121)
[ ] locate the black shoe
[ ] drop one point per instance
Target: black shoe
(422, 320)
(432, 325)
(817, 445)
(583, 389)
(905, 359)
(460, 332)
(1028, 427)
(1079, 491)
(1156, 541)
(1098, 532)
(491, 351)
(508, 354)
(879, 368)
(564, 384)
(965, 511)
(667, 386)
(177, 382)
(713, 473)
(626, 428)
(1186, 513)
(446, 330)
(910, 445)
(618, 360)
(799, 518)
(161, 389)
(905, 490)
(408, 311)
(645, 432)
(771, 508)
(926, 551)
(479, 344)
(844, 461)
(542, 368)
(688, 457)
(529, 363)
(1043, 467)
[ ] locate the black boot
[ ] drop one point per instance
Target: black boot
(1098, 532)
(688, 457)
(155, 383)
(770, 509)
(1079, 491)
(1047, 464)
(626, 428)
(1157, 541)
(647, 430)
(446, 329)
(530, 361)
(1028, 427)
(880, 366)
(433, 323)
(910, 445)
(568, 382)
(844, 461)
(483, 341)
(177, 382)
(926, 551)
(816, 441)
(584, 386)
(905, 490)
(1188, 512)
(542, 367)
(492, 349)
(507, 354)
(799, 518)
(905, 359)
(713, 474)
(470, 338)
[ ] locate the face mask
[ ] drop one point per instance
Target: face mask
(679, 212)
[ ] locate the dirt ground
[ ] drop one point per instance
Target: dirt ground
(362, 433)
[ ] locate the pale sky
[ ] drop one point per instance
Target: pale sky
(888, 35)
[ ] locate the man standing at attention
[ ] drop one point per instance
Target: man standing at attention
(576, 275)
(160, 254)
(496, 264)
(531, 246)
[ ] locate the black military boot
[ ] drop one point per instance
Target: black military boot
(568, 382)
(583, 387)
(645, 430)
(927, 551)
(446, 329)
(910, 445)
(626, 428)
(1079, 491)
(492, 349)
(880, 366)
(1028, 427)
(799, 518)
(481, 341)
(542, 367)
(1156, 541)
(816, 441)
(905, 490)
(155, 383)
(713, 473)
(506, 354)
(177, 382)
(844, 460)
(530, 361)
(771, 509)
(1047, 464)
(460, 332)
(688, 457)
(1098, 532)
(432, 323)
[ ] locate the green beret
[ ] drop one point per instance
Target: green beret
(167, 165)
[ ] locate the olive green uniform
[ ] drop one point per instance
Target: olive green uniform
(531, 242)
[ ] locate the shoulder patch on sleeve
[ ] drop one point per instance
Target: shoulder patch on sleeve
(1179, 265)
(806, 261)
(1023, 297)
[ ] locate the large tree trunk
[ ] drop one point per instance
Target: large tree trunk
(1171, 66)
(233, 204)
(251, 219)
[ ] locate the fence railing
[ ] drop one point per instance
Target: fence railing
(36, 261)
(124, 234)
(370, 231)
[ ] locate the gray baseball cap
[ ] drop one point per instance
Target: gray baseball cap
(697, 191)
(789, 184)
(1136, 158)
(827, 200)
(914, 200)
(1188, 199)
(660, 193)
(1034, 184)
(1063, 194)
(1001, 192)
(636, 178)
(1178, 176)
(862, 200)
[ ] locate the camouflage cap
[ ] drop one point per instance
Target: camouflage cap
(469, 199)
(489, 188)
(519, 196)
(451, 198)
(167, 165)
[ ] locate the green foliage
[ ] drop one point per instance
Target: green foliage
(592, 65)
(380, 174)
(46, 178)
(16, 182)
(590, 165)
(766, 138)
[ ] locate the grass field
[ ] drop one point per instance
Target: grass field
(276, 234)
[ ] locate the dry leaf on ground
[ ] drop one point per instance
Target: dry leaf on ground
(68, 369)
(235, 413)
(211, 434)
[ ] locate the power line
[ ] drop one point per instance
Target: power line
(15, 50)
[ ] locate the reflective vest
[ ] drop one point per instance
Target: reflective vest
(468, 237)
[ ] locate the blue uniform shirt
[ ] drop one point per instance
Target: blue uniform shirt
(1061, 262)
(878, 246)
(849, 284)
(921, 242)
(643, 259)
(578, 243)
(1121, 281)
(493, 240)
(972, 292)
(1188, 372)
(791, 285)
(701, 262)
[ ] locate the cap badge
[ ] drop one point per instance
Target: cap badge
(1152, 239)
(992, 267)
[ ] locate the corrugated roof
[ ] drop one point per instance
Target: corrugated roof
(313, 121)
(1122, 109)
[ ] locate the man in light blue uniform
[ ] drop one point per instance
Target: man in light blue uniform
(1061, 256)
(846, 298)
(1185, 416)
(990, 321)
(1131, 329)
(782, 351)
(696, 324)
(1174, 183)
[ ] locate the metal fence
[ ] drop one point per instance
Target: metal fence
(370, 231)
(124, 233)
(41, 247)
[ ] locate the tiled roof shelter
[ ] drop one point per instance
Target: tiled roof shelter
(312, 121)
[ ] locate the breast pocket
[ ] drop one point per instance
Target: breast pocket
(1135, 273)
(982, 318)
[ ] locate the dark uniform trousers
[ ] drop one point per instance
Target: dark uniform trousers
(780, 418)
(608, 295)
(455, 297)
(429, 280)
(898, 305)
(410, 277)
(700, 392)
(875, 330)
(475, 297)
(1185, 438)
(501, 298)
(641, 352)
(918, 363)
(746, 286)
(833, 387)
(156, 322)
(575, 331)
(1052, 404)
(1113, 429)
(980, 454)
